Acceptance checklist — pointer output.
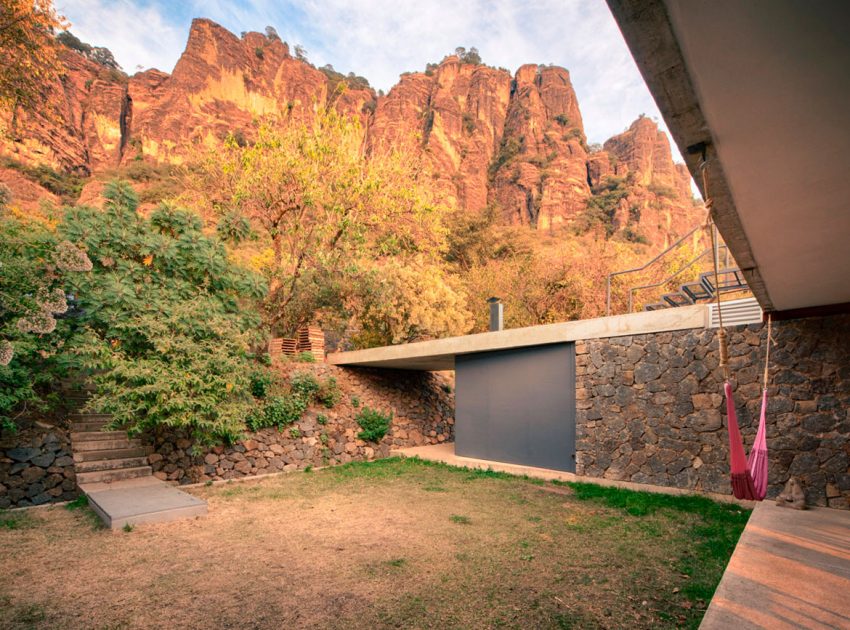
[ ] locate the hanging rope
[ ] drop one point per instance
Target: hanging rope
(748, 474)
(767, 351)
(722, 337)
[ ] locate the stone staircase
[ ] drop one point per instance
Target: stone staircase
(105, 456)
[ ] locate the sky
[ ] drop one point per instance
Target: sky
(380, 39)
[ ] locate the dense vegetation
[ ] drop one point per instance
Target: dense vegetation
(36, 268)
(166, 308)
(98, 54)
(352, 243)
(28, 52)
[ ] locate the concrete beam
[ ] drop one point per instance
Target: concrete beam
(646, 27)
(440, 354)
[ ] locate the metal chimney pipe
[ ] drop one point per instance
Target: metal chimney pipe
(497, 311)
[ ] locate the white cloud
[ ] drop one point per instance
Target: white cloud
(382, 38)
(137, 35)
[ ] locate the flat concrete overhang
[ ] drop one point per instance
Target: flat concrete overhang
(765, 85)
(440, 354)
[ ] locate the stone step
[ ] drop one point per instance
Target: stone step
(87, 426)
(88, 436)
(106, 476)
(110, 464)
(116, 453)
(105, 445)
(90, 417)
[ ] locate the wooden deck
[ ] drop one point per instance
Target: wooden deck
(791, 569)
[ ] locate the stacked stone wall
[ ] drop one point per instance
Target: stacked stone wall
(422, 406)
(650, 409)
(36, 465)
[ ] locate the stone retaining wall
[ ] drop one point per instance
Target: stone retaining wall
(423, 413)
(36, 465)
(650, 409)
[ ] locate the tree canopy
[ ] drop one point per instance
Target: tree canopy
(336, 227)
(166, 321)
(28, 57)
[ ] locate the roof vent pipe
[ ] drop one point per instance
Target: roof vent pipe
(496, 314)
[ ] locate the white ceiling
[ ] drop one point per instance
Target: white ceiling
(773, 81)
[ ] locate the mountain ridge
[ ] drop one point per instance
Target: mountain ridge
(512, 143)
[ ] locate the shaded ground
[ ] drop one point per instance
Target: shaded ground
(394, 543)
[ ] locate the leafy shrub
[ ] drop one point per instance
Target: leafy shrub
(470, 56)
(563, 120)
(279, 411)
(35, 275)
(64, 185)
(355, 401)
(508, 150)
(322, 419)
(305, 357)
(285, 409)
(603, 204)
(163, 321)
(374, 423)
(261, 380)
(633, 236)
(338, 81)
(574, 133)
(295, 433)
(329, 394)
(662, 191)
(304, 385)
(98, 54)
(469, 122)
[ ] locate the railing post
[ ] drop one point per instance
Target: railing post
(608, 296)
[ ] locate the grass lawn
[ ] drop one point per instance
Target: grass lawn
(393, 543)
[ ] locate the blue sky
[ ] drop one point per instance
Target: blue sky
(380, 39)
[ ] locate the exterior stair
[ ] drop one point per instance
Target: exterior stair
(728, 281)
(105, 456)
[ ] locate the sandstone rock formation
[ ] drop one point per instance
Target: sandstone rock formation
(517, 143)
(540, 173)
(457, 114)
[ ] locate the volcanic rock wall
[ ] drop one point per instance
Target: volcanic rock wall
(650, 408)
(421, 403)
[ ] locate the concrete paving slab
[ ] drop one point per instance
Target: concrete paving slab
(144, 500)
(791, 569)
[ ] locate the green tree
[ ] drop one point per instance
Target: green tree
(331, 217)
(167, 320)
(28, 56)
(35, 269)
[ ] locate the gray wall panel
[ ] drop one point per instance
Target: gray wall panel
(517, 406)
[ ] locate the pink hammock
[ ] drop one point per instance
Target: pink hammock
(749, 475)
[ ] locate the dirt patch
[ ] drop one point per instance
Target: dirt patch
(388, 544)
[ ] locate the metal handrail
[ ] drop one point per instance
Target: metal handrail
(666, 280)
(644, 266)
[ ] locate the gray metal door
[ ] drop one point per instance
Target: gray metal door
(518, 406)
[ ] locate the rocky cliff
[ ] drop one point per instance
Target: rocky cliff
(516, 144)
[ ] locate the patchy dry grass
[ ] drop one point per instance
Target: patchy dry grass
(387, 544)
